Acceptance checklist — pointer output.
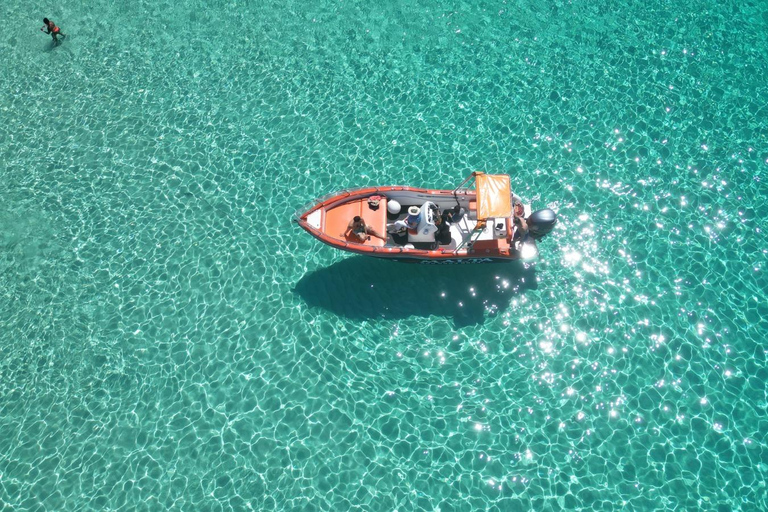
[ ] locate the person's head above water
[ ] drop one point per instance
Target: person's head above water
(357, 218)
(45, 20)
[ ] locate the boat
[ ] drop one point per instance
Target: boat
(481, 216)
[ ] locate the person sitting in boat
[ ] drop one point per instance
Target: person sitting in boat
(358, 231)
(518, 217)
(409, 223)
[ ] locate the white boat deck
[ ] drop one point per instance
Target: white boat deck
(462, 230)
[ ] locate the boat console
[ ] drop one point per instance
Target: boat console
(426, 228)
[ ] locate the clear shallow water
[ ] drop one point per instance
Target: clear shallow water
(170, 341)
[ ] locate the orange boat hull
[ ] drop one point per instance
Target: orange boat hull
(327, 220)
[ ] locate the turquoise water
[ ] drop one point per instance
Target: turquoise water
(169, 340)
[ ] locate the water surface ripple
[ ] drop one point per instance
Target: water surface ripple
(170, 341)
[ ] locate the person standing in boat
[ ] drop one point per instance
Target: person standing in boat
(358, 230)
(443, 233)
(452, 215)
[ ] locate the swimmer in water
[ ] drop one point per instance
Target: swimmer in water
(51, 28)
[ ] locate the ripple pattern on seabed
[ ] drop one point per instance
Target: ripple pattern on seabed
(170, 341)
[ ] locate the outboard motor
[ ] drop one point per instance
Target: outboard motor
(541, 222)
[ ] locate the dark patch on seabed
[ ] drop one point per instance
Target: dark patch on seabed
(362, 288)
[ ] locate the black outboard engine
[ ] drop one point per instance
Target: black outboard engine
(541, 222)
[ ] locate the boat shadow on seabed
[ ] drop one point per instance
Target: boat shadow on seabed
(363, 288)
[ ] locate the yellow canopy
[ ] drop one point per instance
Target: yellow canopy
(493, 196)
